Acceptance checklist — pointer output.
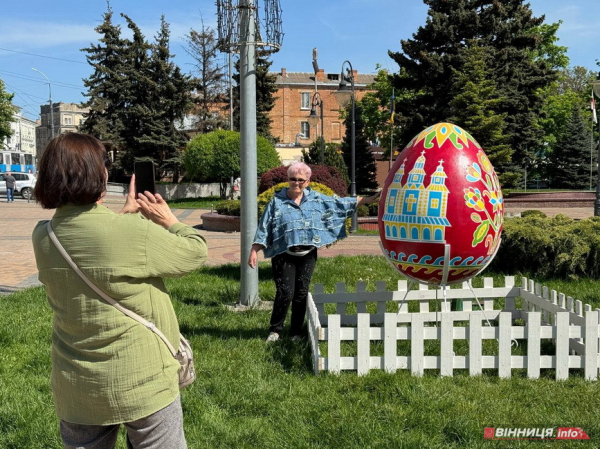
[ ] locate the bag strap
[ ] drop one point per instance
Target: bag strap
(108, 299)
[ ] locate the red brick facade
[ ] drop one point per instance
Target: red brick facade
(288, 113)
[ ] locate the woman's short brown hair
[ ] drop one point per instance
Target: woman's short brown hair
(71, 170)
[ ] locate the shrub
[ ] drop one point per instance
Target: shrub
(229, 207)
(329, 176)
(550, 247)
(362, 211)
(533, 213)
(266, 196)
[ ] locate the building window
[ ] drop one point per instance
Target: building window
(305, 103)
(336, 131)
(305, 129)
(68, 120)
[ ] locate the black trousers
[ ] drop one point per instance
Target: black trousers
(292, 278)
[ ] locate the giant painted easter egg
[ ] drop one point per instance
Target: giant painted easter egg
(441, 210)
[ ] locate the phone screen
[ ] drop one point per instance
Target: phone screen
(144, 177)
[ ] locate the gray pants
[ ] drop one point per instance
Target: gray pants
(161, 430)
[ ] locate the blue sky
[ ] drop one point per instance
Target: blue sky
(361, 31)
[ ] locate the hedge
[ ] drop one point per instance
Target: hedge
(322, 174)
(558, 247)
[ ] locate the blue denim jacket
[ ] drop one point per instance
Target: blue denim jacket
(319, 220)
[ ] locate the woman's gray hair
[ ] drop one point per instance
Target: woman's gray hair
(299, 167)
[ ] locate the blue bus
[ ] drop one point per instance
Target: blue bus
(13, 161)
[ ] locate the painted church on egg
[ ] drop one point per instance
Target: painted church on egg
(414, 212)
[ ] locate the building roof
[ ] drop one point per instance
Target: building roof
(323, 79)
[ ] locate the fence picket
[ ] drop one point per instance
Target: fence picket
(416, 345)
(562, 345)
(591, 345)
(363, 349)
(447, 345)
(533, 344)
(390, 345)
(334, 344)
(475, 345)
(504, 345)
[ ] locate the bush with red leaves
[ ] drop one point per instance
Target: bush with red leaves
(329, 176)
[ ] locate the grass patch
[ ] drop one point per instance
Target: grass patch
(195, 203)
(252, 395)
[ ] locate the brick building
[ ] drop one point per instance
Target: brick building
(293, 103)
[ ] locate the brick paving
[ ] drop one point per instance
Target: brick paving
(18, 219)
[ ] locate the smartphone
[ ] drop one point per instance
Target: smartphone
(144, 177)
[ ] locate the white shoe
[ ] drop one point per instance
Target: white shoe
(273, 337)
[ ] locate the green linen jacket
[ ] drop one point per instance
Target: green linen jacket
(106, 367)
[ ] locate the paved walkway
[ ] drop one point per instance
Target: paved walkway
(18, 219)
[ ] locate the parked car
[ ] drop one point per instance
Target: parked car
(25, 184)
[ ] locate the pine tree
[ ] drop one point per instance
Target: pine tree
(365, 168)
(570, 160)
(6, 112)
(265, 89)
(203, 47)
(474, 102)
(511, 37)
(106, 86)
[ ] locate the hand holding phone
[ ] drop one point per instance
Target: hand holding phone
(144, 177)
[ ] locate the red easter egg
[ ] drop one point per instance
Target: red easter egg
(441, 209)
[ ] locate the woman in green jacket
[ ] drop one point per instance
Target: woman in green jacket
(108, 369)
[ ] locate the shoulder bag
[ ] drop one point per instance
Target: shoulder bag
(187, 373)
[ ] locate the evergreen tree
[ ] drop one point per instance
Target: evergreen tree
(473, 104)
(6, 112)
(365, 168)
(203, 47)
(265, 89)
(570, 160)
(106, 86)
(333, 156)
(508, 32)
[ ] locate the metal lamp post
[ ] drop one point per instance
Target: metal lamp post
(343, 95)
(596, 88)
(50, 100)
(317, 101)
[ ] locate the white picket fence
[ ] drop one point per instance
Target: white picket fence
(547, 315)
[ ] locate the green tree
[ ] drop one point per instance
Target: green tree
(215, 157)
(474, 102)
(106, 86)
(365, 168)
(136, 95)
(203, 47)
(570, 160)
(511, 38)
(333, 156)
(6, 112)
(265, 90)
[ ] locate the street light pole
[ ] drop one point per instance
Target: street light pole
(342, 94)
(596, 89)
(50, 100)
(317, 101)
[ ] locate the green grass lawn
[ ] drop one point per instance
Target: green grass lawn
(252, 395)
(194, 203)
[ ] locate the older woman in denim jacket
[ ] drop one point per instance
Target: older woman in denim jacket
(295, 223)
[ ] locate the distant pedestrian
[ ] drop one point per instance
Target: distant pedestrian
(11, 184)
